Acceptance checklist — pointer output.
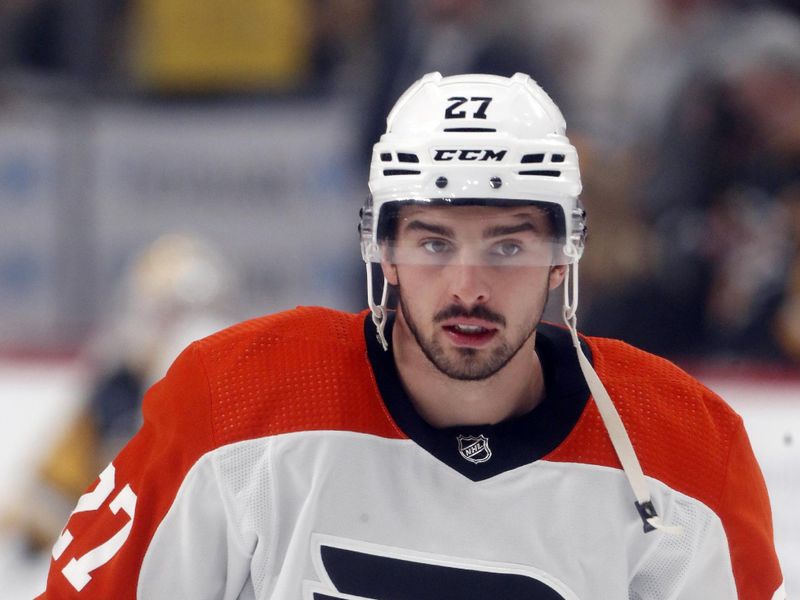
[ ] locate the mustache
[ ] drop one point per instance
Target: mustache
(477, 312)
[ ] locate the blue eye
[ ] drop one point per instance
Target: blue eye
(507, 249)
(436, 246)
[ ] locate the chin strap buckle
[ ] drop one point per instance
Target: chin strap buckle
(647, 511)
(652, 521)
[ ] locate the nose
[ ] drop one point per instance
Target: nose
(469, 284)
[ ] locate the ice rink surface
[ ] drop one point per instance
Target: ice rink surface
(36, 399)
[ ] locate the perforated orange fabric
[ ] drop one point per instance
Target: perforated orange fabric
(311, 361)
(308, 370)
(681, 431)
(687, 437)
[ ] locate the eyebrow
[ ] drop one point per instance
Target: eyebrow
(430, 228)
(489, 232)
(501, 230)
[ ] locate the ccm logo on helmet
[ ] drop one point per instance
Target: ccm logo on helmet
(478, 155)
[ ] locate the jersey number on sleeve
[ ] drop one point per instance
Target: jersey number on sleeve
(77, 569)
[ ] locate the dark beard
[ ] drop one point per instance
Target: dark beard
(470, 367)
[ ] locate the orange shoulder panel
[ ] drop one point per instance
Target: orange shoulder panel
(688, 438)
(299, 370)
(746, 514)
(143, 480)
(681, 431)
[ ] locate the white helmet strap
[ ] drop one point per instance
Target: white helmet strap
(379, 316)
(608, 413)
(570, 308)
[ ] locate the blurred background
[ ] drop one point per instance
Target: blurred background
(169, 167)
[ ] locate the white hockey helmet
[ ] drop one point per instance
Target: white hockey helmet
(473, 139)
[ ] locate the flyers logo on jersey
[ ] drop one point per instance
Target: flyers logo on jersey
(474, 449)
(354, 569)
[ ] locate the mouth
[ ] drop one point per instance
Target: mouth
(469, 333)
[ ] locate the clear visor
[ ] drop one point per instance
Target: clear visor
(524, 236)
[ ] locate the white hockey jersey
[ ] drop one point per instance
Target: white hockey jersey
(281, 459)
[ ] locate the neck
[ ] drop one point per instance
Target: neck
(444, 402)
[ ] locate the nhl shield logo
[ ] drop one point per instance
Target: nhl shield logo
(474, 449)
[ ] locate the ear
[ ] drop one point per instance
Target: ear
(389, 272)
(557, 275)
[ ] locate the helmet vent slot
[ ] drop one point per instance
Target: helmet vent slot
(542, 173)
(533, 158)
(386, 156)
(558, 158)
(470, 129)
(407, 158)
(389, 172)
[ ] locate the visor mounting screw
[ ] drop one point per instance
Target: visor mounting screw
(441, 182)
(495, 182)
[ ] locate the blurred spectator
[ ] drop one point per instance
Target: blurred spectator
(755, 222)
(659, 303)
(177, 290)
(716, 170)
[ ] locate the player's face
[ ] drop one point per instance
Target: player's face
(478, 303)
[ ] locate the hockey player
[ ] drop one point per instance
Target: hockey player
(456, 447)
(178, 288)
